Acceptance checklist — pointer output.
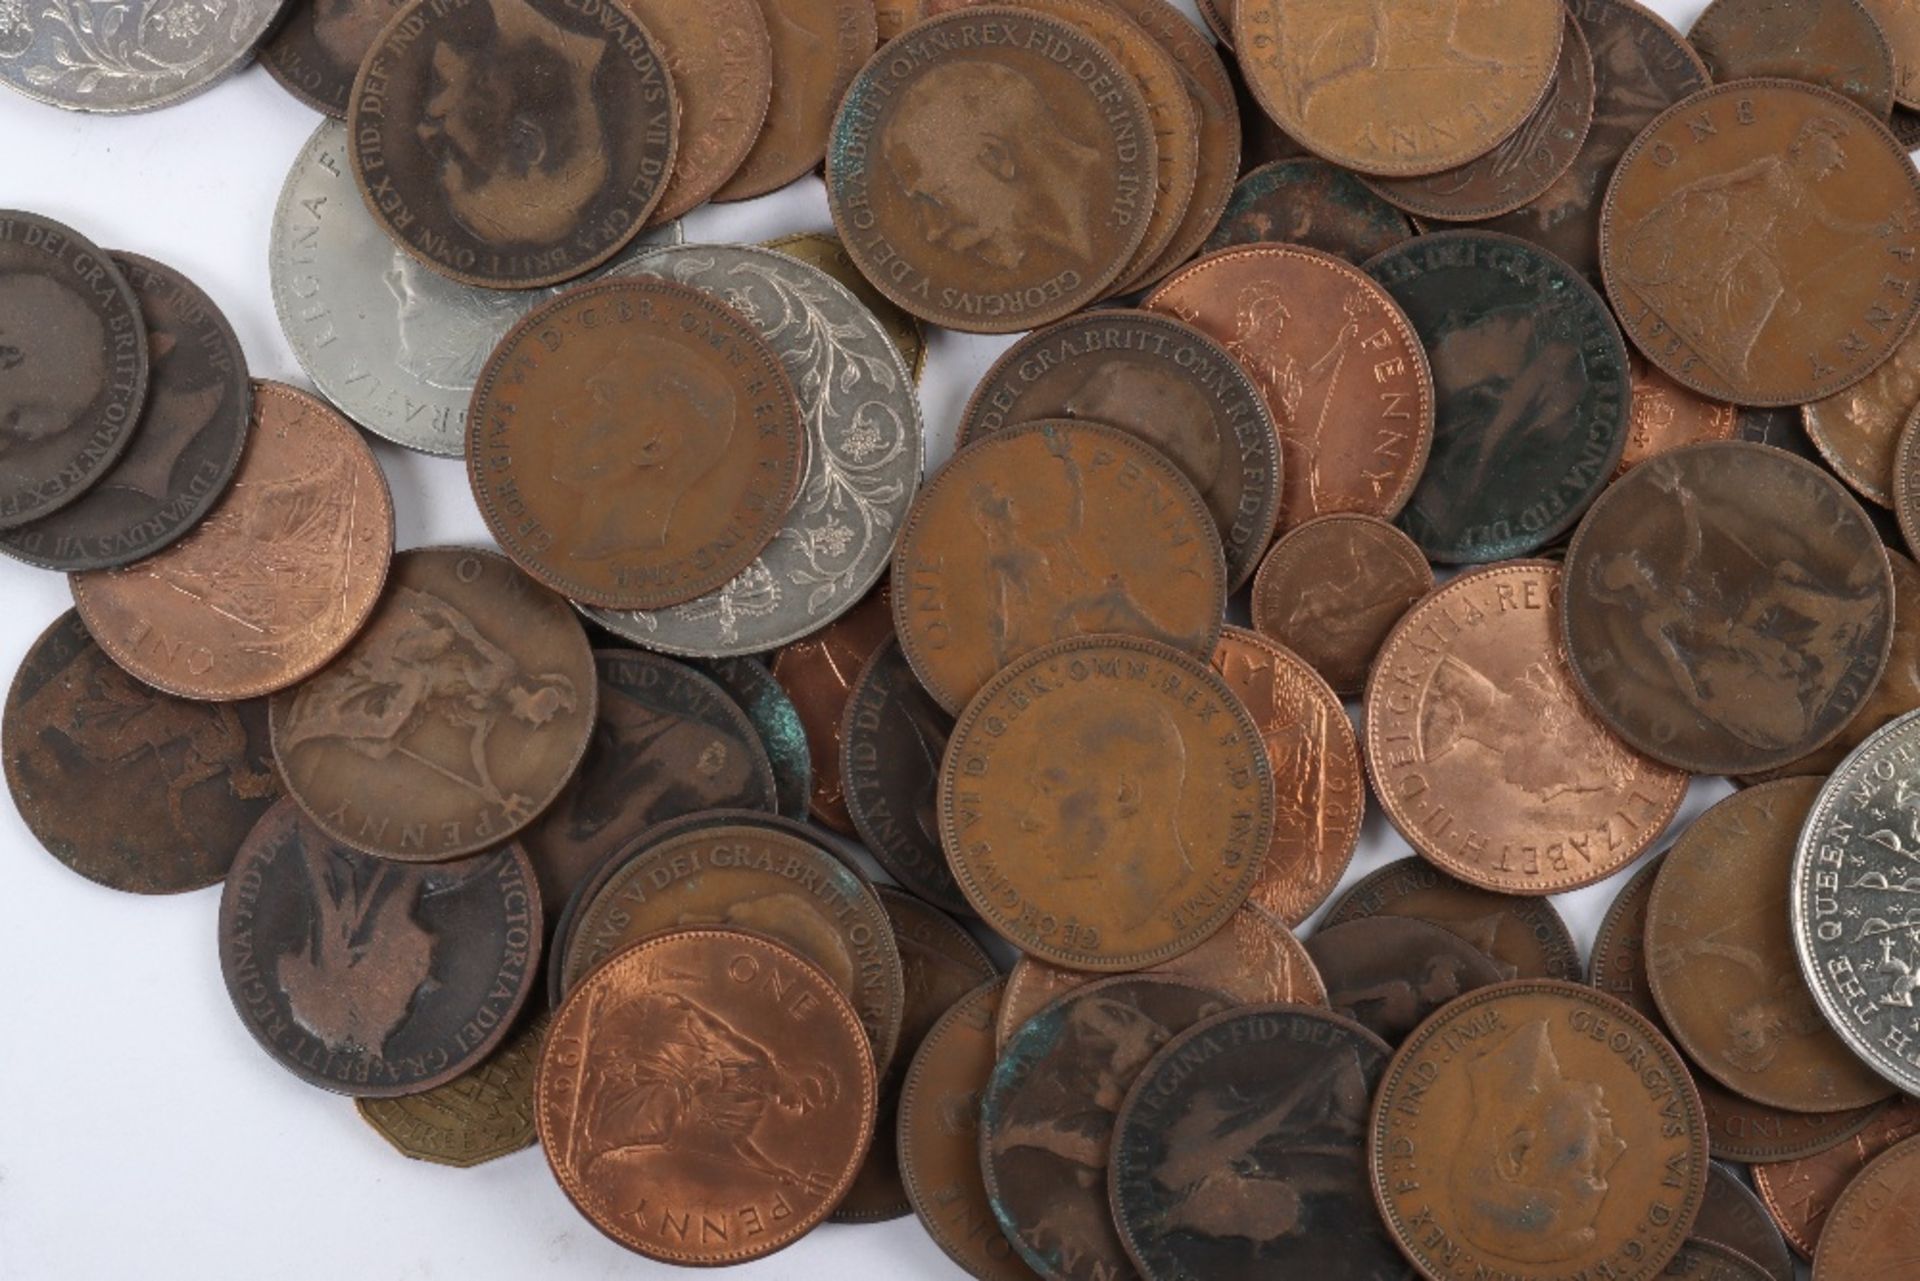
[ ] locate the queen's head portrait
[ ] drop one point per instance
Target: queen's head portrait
(53, 360)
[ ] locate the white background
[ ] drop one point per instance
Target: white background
(143, 1134)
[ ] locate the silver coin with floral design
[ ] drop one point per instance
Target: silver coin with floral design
(126, 55)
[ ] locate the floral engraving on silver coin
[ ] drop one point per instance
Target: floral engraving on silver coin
(126, 55)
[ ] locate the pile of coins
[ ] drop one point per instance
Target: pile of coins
(686, 832)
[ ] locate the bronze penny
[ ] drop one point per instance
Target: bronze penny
(1900, 24)
(1484, 755)
(818, 47)
(1722, 965)
(1332, 589)
(818, 674)
(453, 720)
(1800, 1195)
(1836, 44)
(275, 581)
(1343, 371)
(1667, 415)
(1525, 936)
(1733, 1218)
(1857, 431)
(719, 56)
(634, 443)
(512, 143)
(1106, 803)
(891, 17)
(1534, 1125)
(994, 171)
(1044, 532)
(1828, 216)
(368, 977)
(1906, 482)
(819, 249)
(1388, 973)
(1905, 124)
(1873, 1233)
(708, 1077)
(1319, 792)
(481, 1115)
(777, 722)
(1399, 90)
(1701, 1260)
(127, 786)
(1163, 382)
(319, 47)
(1307, 202)
(1678, 586)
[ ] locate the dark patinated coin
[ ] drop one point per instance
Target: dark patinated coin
(776, 720)
(127, 786)
(319, 46)
(1306, 201)
(1906, 481)
(184, 451)
(1873, 1233)
(1833, 43)
(73, 365)
(1727, 608)
(1388, 973)
(1531, 390)
(1241, 1152)
(1735, 1219)
(1800, 1195)
(484, 1113)
(369, 977)
(818, 673)
(1699, 1259)
(1525, 936)
(1332, 589)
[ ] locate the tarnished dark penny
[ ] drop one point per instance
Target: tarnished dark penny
(634, 443)
(275, 581)
(1727, 608)
(73, 365)
(454, 719)
(1047, 1115)
(709, 1077)
(1699, 1259)
(1900, 23)
(1319, 791)
(822, 250)
(1667, 415)
(818, 674)
(1163, 382)
(1331, 589)
(317, 50)
(1308, 202)
(481, 1115)
(1044, 532)
(776, 720)
(127, 786)
(1538, 1128)
(1800, 1195)
(818, 47)
(1905, 124)
(1836, 44)
(994, 171)
(1525, 936)
(1733, 1218)
(1531, 389)
(719, 56)
(1873, 1233)
(1241, 1152)
(1857, 431)
(1388, 973)
(1906, 482)
(1340, 366)
(368, 977)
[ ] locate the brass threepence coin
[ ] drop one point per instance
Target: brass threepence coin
(129, 787)
(719, 57)
(818, 47)
(776, 720)
(1873, 1233)
(1667, 415)
(705, 1077)
(1536, 1128)
(276, 580)
(368, 977)
(1835, 44)
(1389, 973)
(634, 443)
(1800, 1195)
(1727, 608)
(512, 143)
(818, 672)
(1307, 202)
(824, 251)
(1106, 803)
(317, 50)
(1525, 936)
(1735, 1219)
(1333, 588)
(993, 171)
(1857, 431)
(1900, 23)
(481, 1115)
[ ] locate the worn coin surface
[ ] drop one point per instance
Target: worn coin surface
(1332, 589)
(1388, 973)
(318, 47)
(1900, 23)
(719, 57)
(1800, 1195)
(1906, 481)
(1525, 936)
(818, 674)
(127, 786)
(368, 977)
(150, 53)
(1836, 44)
(481, 1115)
(824, 251)
(1703, 1260)
(818, 47)
(1306, 201)
(777, 722)
(1667, 415)
(1734, 1218)
(1857, 431)
(276, 580)
(1873, 1233)
(1727, 608)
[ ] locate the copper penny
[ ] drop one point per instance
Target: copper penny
(127, 786)
(995, 171)
(1857, 431)
(278, 578)
(319, 46)
(1388, 973)
(818, 47)
(719, 56)
(818, 674)
(1678, 586)
(1044, 532)
(1525, 936)
(1906, 482)
(1163, 382)
(481, 1115)
(1342, 370)
(1307, 202)
(1218, 15)
(1801, 1194)
(708, 1077)
(1320, 794)
(1538, 1128)
(1332, 589)
(1399, 90)
(1701, 1260)
(1836, 44)
(1484, 755)
(368, 977)
(1733, 1218)
(822, 250)
(1905, 124)
(634, 443)
(891, 17)
(1900, 23)
(512, 143)
(1873, 1233)
(1667, 415)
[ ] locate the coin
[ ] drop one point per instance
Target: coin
(1332, 589)
(1525, 936)
(1164, 383)
(1218, 15)
(512, 143)
(127, 786)
(74, 356)
(818, 47)
(1801, 1194)
(1702, 1260)
(185, 447)
(1240, 1152)
(1320, 795)
(1905, 124)
(369, 977)
(1047, 225)
(317, 49)
(823, 251)
(1667, 415)
(777, 722)
(481, 1115)
(634, 443)
(891, 17)
(865, 453)
(1857, 431)
(1536, 1124)
(1836, 44)
(1388, 973)
(1733, 1218)
(1873, 1231)
(1106, 803)
(1901, 26)
(1906, 481)
(153, 53)
(1308, 202)
(275, 581)
(1340, 367)
(1044, 532)
(818, 674)
(719, 56)
(778, 1091)
(1675, 587)
(1047, 1114)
